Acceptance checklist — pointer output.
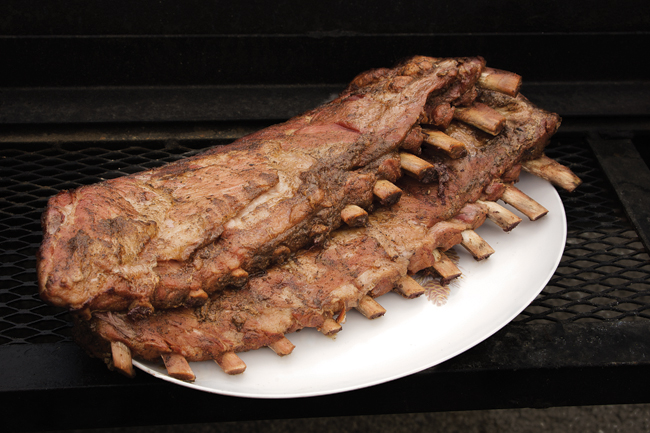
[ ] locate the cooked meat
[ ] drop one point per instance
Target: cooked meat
(317, 286)
(313, 286)
(173, 235)
(526, 132)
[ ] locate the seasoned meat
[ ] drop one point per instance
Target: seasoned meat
(313, 286)
(317, 286)
(173, 235)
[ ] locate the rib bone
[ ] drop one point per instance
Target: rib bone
(354, 216)
(524, 204)
(387, 192)
(198, 296)
(500, 81)
(355, 264)
(178, 367)
(239, 276)
(158, 234)
(370, 308)
(230, 363)
(445, 267)
(476, 245)
(122, 358)
(420, 169)
(330, 327)
(409, 288)
(553, 171)
(500, 215)
(454, 148)
(282, 347)
(481, 116)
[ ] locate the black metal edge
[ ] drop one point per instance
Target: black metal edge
(160, 104)
(630, 178)
(104, 17)
(245, 103)
(164, 404)
(520, 366)
(155, 60)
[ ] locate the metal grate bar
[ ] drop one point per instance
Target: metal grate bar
(31, 173)
(604, 274)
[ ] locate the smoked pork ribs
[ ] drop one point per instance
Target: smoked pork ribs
(174, 235)
(316, 287)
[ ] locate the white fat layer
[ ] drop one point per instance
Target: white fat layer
(141, 272)
(179, 241)
(68, 212)
(346, 292)
(288, 183)
(368, 280)
(155, 210)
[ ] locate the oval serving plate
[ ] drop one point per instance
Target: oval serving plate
(414, 334)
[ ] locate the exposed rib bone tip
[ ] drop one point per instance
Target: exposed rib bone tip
(418, 168)
(552, 171)
(354, 216)
(330, 327)
(140, 308)
(122, 360)
(198, 297)
(230, 363)
(500, 215)
(500, 81)
(524, 204)
(387, 192)
(178, 367)
(409, 288)
(476, 245)
(282, 250)
(481, 116)
(454, 148)
(240, 276)
(370, 308)
(282, 347)
(84, 314)
(445, 266)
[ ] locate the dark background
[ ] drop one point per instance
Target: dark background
(202, 42)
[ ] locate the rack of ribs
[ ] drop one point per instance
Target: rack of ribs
(175, 235)
(316, 287)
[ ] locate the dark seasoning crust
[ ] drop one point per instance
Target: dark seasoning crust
(308, 274)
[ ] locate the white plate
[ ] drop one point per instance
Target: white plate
(414, 334)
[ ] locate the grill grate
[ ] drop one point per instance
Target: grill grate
(30, 175)
(603, 274)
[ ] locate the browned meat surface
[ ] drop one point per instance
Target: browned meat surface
(527, 130)
(313, 286)
(171, 236)
(320, 284)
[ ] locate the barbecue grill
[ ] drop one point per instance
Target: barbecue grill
(115, 88)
